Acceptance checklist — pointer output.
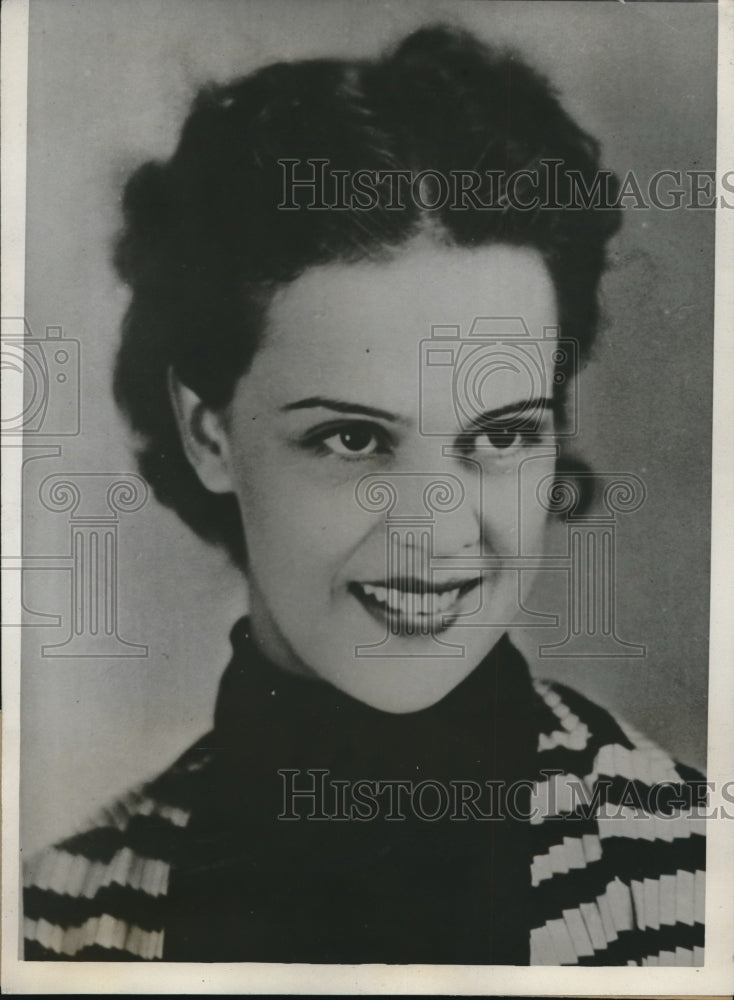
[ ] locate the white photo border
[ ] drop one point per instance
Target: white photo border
(715, 977)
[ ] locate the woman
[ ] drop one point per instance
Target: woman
(383, 781)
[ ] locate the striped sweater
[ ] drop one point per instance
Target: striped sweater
(617, 868)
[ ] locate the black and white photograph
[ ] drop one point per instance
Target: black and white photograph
(366, 565)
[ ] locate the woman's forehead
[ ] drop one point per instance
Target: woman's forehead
(371, 334)
(342, 310)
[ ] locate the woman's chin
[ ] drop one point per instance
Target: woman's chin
(390, 663)
(404, 676)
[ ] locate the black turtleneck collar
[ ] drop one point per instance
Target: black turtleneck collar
(254, 886)
(481, 727)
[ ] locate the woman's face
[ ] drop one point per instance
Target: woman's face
(344, 388)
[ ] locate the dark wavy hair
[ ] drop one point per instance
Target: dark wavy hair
(204, 245)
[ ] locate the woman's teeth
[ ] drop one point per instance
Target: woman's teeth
(408, 602)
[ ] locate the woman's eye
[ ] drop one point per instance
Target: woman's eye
(356, 441)
(501, 437)
(499, 441)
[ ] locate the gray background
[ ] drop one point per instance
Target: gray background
(109, 82)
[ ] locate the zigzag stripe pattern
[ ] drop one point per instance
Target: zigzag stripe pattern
(614, 880)
(100, 894)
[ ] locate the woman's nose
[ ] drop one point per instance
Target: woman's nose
(444, 504)
(459, 531)
(455, 497)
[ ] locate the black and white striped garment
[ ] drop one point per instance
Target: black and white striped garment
(617, 865)
(618, 874)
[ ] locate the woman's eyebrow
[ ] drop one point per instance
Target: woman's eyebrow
(521, 406)
(341, 406)
(524, 410)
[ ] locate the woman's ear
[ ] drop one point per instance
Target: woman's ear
(203, 436)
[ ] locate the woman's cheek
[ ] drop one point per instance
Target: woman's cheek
(299, 527)
(500, 514)
(512, 514)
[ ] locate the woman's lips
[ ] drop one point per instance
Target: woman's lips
(414, 605)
